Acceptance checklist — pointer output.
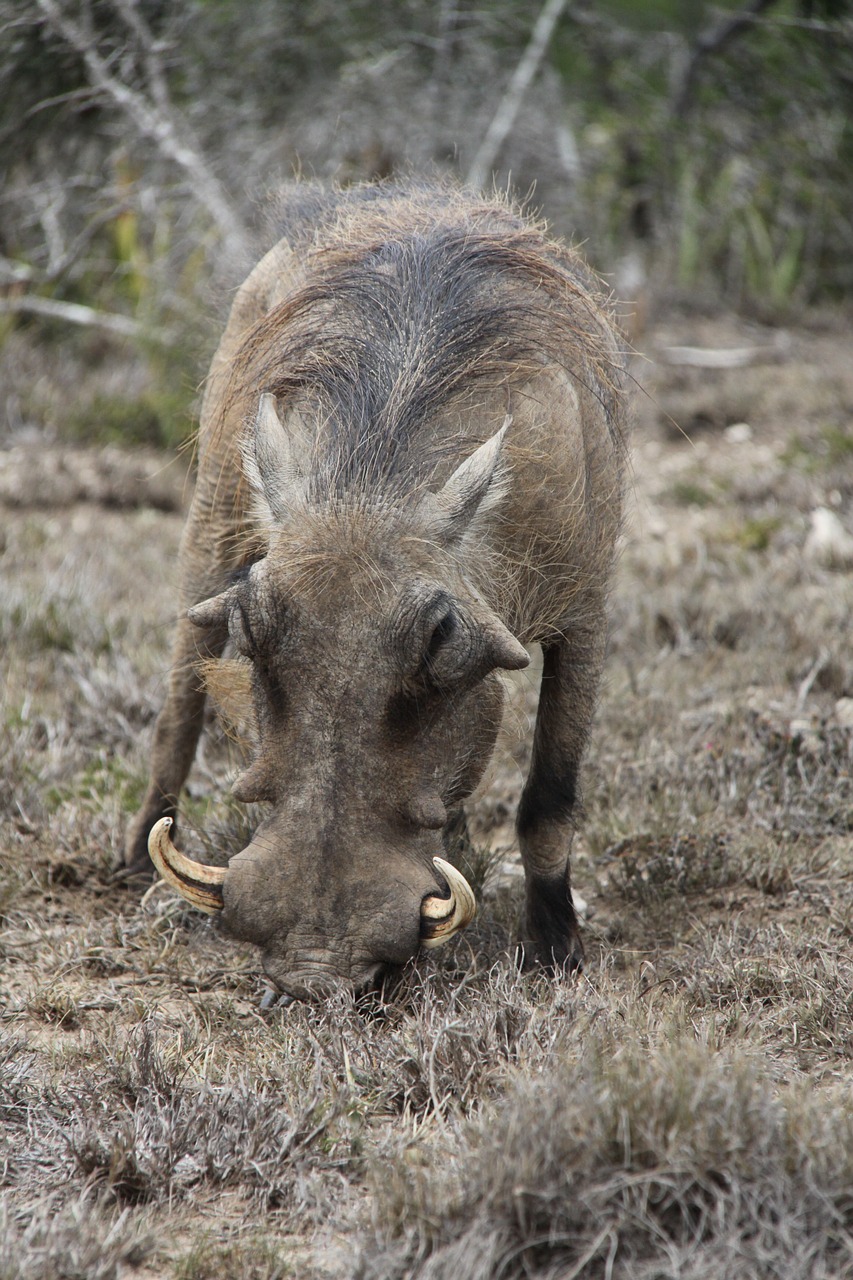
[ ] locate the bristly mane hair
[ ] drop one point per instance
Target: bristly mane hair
(412, 295)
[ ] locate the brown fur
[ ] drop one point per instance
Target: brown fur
(397, 334)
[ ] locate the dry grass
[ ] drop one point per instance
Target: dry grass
(631, 1159)
(680, 1111)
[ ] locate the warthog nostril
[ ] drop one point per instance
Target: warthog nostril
(318, 981)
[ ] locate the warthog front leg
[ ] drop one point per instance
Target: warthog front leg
(176, 737)
(546, 813)
(206, 568)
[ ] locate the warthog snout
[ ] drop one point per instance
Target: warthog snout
(308, 943)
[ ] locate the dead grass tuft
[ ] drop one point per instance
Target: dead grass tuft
(84, 1240)
(175, 1134)
(631, 1164)
(249, 1260)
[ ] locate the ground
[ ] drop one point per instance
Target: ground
(681, 1109)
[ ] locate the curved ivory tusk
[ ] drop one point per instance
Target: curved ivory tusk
(442, 917)
(199, 884)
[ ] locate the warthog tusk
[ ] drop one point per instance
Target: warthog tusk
(199, 884)
(442, 917)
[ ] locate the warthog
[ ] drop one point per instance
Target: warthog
(410, 468)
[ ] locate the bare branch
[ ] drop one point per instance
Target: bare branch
(151, 50)
(728, 357)
(712, 41)
(75, 313)
(155, 117)
(504, 117)
(62, 264)
(15, 272)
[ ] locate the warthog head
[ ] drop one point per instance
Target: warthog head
(373, 668)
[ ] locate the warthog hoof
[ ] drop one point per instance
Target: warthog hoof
(552, 936)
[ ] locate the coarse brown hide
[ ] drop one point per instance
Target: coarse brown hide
(410, 467)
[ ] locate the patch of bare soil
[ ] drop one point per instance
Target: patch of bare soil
(682, 1109)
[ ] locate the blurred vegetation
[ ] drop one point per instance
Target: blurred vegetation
(706, 150)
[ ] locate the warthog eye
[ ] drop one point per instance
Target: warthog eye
(441, 634)
(451, 653)
(446, 645)
(240, 631)
(258, 619)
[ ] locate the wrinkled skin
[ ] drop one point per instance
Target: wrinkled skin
(346, 854)
(379, 527)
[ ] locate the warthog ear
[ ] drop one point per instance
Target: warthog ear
(474, 485)
(268, 462)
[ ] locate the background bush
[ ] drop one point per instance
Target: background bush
(696, 149)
